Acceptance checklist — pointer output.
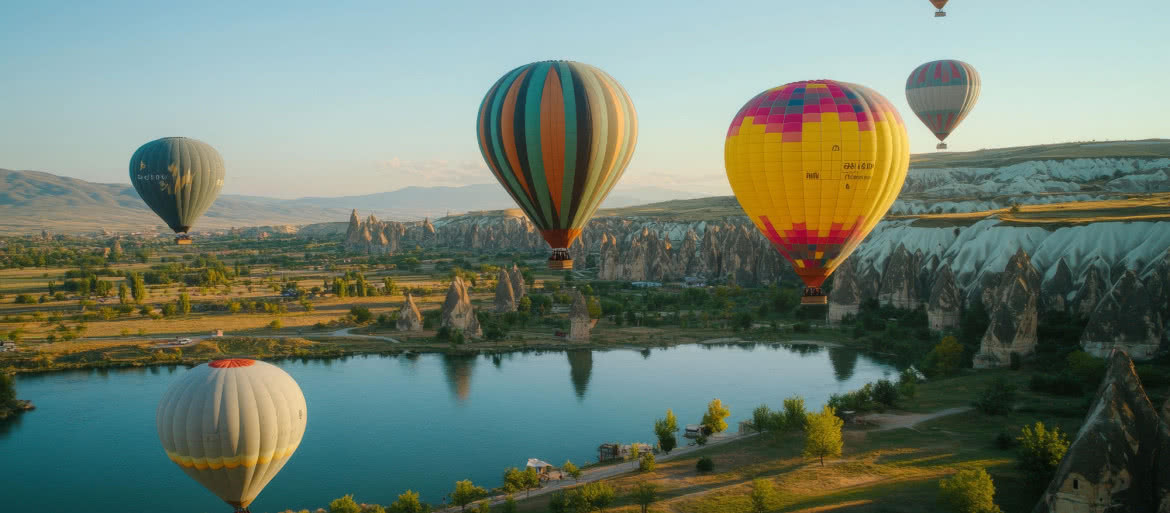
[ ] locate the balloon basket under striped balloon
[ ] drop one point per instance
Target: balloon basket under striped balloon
(814, 300)
(940, 14)
(183, 240)
(560, 265)
(941, 146)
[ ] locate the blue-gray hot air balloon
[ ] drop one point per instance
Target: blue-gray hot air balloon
(179, 178)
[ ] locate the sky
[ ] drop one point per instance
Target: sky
(339, 98)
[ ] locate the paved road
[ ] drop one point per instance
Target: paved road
(606, 472)
(345, 333)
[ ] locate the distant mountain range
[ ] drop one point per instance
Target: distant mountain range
(33, 200)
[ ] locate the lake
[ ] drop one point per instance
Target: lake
(378, 425)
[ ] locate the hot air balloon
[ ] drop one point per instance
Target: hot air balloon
(231, 425)
(178, 178)
(942, 93)
(938, 4)
(815, 164)
(557, 135)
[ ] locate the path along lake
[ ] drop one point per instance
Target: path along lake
(378, 425)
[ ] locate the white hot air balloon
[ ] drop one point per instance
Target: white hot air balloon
(232, 425)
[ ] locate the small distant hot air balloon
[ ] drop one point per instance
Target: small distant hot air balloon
(942, 93)
(815, 165)
(231, 425)
(178, 178)
(557, 135)
(938, 4)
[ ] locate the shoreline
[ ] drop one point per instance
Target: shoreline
(329, 346)
(18, 406)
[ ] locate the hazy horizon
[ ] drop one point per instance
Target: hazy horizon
(314, 100)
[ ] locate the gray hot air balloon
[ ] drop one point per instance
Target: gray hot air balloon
(178, 178)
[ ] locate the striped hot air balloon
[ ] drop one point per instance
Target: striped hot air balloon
(231, 425)
(815, 165)
(178, 178)
(557, 135)
(942, 93)
(939, 4)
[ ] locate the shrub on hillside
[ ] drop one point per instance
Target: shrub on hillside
(997, 399)
(968, 491)
(705, 464)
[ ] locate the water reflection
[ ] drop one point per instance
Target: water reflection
(458, 370)
(580, 369)
(10, 423)
(844, 361)
(803, 349)
(645, 353)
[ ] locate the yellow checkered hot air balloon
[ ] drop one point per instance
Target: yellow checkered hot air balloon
(815, 164)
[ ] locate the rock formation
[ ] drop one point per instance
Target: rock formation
(1012, 307)
(505, 296)
(845, 296)
(376, 237)
(457, 311)
(579, 321)
(516, 278)
(1124, 319)
(943, 307)
(1055, 290)
(409, 317)
(1090, 293)
(1118, 460)
(898, 282)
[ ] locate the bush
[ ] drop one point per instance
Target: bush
(275, 324)
(997, 399)
(1005, 441)
(705, 464)
(646, 463)
(794, 413)
(1063, 383)
(885, 392)
(801, 327)
(968, 491)
(701, 440)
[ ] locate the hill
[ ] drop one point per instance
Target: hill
(33, 200)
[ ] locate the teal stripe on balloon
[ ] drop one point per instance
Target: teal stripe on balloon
(570, 103)
(531, 99)
(497, 138)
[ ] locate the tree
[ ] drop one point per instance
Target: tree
(968, 491)
(407, 503)
(307, 305)
(762, 494)
(513, 480)
(823, 434)
(137, 288)
(762, 418)
(946, 357)
(344, 504)
(184, 304)
(389, 288)
(572, 470)
(1040, 452)
(885, 392)
(644, 494)
(484, 506)
(646, 463)
(794, 413)
(665, 428)
(715, 419)
(558, 502)
(7, 389)
(123, 293)
(531, 480)
(524, 305)
(466, 493)
(601, 495)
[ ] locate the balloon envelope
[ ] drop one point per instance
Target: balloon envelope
(557, 135)
(815, 164)
(942, 93)
(938, 4)
(178, 178)
(231, 425)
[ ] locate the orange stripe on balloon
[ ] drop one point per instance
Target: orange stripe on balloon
(507, 132)
(552, 136)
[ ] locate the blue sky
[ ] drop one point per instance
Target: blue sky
(331, 98)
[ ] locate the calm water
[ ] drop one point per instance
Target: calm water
(379, 425)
